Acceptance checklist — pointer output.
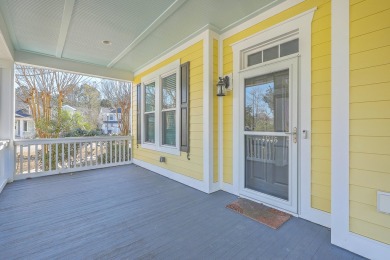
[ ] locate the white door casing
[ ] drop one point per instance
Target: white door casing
(300, 23)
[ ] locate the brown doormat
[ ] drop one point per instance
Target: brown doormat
(268, 216)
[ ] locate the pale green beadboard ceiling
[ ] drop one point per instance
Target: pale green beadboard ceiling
(140, 30)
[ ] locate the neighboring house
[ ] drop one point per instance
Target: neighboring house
(24, 123)
(69, 109)
(111, 120)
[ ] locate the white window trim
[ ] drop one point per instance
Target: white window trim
(156, 77)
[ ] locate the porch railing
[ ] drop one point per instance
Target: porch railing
(41, 157)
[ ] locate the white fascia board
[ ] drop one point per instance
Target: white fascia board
(72, 66)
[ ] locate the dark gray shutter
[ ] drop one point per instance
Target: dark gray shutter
(185, 107)
(139, 113)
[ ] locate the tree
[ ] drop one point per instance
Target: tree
(44, 91)
(119, 95)
(86, 99)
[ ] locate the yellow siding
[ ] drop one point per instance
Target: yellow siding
(179, 164)
(215, 110)
(369, 116)
(321, 63)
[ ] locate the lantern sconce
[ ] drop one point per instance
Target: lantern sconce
(223, 86)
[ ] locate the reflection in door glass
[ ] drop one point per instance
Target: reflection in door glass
(266, 164)
(267, 103)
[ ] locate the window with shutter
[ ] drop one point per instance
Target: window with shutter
(184, 106)
(161, 110)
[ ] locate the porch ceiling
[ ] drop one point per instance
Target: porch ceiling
(139, 30)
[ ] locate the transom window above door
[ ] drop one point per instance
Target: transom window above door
(269, 52)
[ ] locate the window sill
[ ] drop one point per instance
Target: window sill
(162, 149)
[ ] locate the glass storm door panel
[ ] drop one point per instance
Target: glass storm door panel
(269, 136)
(266, 154)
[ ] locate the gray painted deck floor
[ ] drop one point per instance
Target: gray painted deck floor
(128, 212)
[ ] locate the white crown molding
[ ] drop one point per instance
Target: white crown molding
(153, 26)
(72, 66)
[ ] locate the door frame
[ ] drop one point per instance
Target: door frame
(301, 24)
(291, 63)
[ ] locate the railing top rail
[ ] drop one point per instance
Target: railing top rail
(71, 140)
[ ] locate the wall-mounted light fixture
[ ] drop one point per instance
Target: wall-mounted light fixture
(222, 85)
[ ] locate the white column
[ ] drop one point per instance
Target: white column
(7, 121)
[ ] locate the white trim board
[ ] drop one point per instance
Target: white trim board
(191, 182)
(208, 151)
(341, 235)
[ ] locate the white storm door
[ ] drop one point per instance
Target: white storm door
(268, 134)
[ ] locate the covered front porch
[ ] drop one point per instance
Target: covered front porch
(129, 212)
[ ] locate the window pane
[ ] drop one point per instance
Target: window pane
(271, 53)
(267, 103)
(149, 128)
(169, 128)
(255, 58)
(288, 48)
(169, 92)
(149, 97)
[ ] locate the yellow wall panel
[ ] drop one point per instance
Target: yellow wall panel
(321, 139)
(370, 162)
(371, 214)
(179, 164)
(367, 8)
(370, 144)
(320, 165)
(372, 75)
(322, 101)
(367, 93)
(370, 127)
(370, 179)
(321, 49)
(370, 110)
(322, 62)
(319, 36)
(369, 23)
(320, 127)
(370, 230)
(320, 88)
(321, 178)
(369, 41)
(371, 58)
(322, 112)
(362, 194)
(320, 203)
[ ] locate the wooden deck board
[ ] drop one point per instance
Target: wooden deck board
(129, 212)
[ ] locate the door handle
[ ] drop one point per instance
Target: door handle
(294, 134)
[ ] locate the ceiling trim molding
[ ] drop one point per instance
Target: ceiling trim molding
(156, 23)
(30, 58)
(183, 44)
(65, 22)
